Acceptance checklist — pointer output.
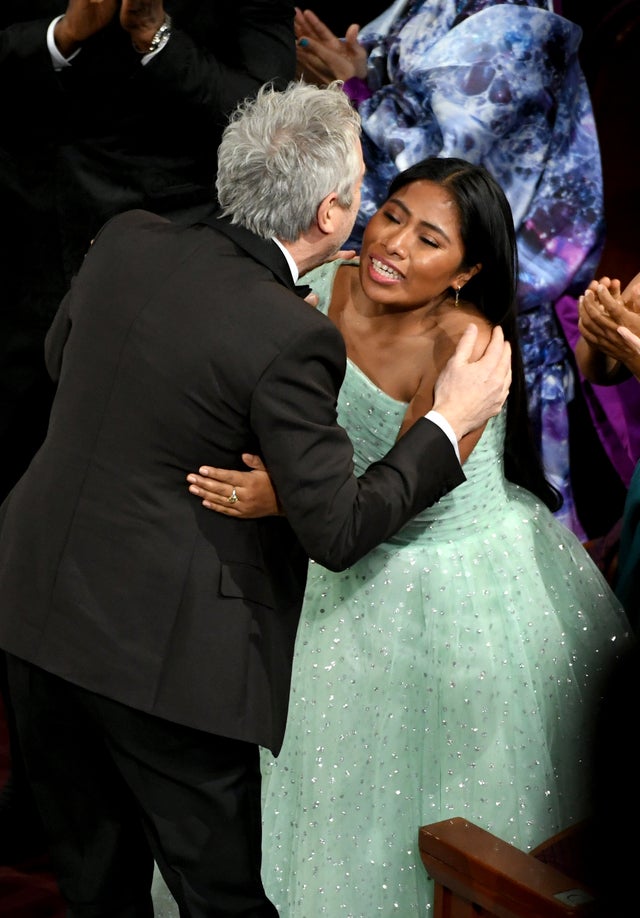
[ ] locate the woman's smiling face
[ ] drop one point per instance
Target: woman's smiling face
(411, 249)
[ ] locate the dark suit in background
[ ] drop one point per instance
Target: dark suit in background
(105, 135)
(168, 626)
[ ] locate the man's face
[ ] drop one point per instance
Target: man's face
(337, 221)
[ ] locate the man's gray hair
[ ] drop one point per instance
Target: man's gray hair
(282, 153)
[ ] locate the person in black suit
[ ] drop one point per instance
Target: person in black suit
(149, 641)
(106, 106)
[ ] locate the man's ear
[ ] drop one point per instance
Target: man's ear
(327, 213)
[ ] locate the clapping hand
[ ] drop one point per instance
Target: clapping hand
(322, 56)
(610, 323)
(142, 19)
(84, 18)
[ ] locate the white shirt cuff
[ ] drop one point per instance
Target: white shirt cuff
(446, 428)
(58, 61)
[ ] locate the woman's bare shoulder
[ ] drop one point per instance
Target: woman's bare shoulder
(454, 321)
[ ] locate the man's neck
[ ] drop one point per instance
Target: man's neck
(308, 252)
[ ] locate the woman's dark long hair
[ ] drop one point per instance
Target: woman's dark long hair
(488, 237)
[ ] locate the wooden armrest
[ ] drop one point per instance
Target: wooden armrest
(482, 869)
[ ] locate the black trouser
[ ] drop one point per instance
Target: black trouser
(21, 834)
(117, 788)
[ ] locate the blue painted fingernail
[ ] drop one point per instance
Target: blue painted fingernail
(303, 42)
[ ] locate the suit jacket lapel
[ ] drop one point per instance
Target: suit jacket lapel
(263, 250)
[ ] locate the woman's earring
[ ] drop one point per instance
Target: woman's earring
(457, 296)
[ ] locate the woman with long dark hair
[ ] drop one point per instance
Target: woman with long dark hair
(455, 669)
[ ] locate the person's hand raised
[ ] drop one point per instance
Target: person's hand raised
(609, 325)
(596, 323)
(469, 392)
(142, 19)
(322, 56)
(82, 19)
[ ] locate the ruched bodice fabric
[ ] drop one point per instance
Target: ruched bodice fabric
(361, 401)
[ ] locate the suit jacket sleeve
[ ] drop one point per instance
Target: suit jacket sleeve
(337, 516)
(25, 66)
(59, 329)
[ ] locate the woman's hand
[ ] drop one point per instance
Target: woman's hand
(245, 495)
(604, 314)
(602, 310)
(322, 56)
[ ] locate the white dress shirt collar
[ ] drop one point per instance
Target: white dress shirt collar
(292, 265)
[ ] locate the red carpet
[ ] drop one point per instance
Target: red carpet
(27, 888)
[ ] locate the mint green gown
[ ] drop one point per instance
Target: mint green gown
(453, 671)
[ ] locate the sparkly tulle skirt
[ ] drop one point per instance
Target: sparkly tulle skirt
(453, 671)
